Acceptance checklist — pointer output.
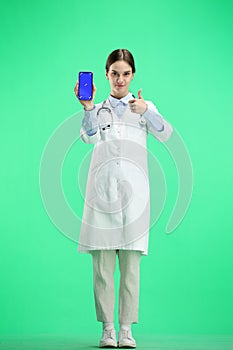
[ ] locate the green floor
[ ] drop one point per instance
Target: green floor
(155, 342)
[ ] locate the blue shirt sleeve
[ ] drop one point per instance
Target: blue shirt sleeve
(153, 117)
(90, 122)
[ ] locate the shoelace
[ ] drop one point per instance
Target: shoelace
(125, 334)
(109, 334)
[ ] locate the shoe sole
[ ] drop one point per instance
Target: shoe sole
(126, 346)
(108, 346)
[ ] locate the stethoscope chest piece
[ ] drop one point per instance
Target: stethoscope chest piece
(142, 121)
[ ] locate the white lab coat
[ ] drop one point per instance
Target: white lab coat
(117, 204)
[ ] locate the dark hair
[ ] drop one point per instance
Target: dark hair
(120, 55)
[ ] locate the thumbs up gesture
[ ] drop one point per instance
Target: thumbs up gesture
(138, 105)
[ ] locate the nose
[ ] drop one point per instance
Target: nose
(120, 79)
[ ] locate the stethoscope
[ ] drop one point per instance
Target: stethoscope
(108, 120)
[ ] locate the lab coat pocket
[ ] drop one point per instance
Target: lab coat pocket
(105, 132)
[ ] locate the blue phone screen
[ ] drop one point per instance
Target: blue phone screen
(85, 86)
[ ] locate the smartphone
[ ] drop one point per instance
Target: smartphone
(85, 91)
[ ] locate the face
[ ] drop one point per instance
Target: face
(119, 76)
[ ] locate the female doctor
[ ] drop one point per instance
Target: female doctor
(117, 205)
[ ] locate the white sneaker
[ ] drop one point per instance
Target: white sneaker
(126, 340)
(108, 339)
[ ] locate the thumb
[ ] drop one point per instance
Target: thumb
(140, 94)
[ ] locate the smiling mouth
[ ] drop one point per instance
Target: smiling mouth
(120, 85)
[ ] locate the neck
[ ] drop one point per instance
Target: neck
(118, 97)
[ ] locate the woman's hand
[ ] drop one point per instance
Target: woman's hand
(87, 104)
(138, 105)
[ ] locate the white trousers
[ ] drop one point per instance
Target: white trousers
(104, 262)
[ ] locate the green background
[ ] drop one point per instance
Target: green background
(183, 57)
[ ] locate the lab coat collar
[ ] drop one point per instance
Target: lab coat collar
(115, 101)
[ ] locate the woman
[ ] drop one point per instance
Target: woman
(117, 208)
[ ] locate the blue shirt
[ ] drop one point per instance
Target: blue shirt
(152, 116)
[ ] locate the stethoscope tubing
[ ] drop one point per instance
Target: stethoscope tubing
(142, 120)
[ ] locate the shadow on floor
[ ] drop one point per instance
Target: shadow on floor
(150, 342)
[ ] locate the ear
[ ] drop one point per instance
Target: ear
(106, 73)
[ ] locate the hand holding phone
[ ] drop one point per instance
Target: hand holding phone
(85, 89)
